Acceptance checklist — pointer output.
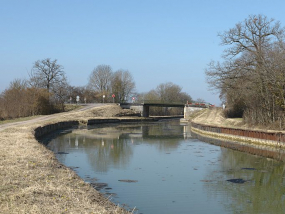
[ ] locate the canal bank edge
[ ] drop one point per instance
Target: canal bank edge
(197, 128)
(33, 181)
(49, 128)
(44, 130)
(251, 136)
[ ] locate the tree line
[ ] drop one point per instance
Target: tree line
(251, 77)
(104, 81)
(167, 93)
(47, 91)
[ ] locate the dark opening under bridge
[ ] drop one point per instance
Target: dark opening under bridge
(143, 107)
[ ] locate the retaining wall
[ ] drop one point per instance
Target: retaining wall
(134, 120)
(276, 153)
(47, 129)
(256, 136)
(44, 130)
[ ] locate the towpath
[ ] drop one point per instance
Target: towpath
(48, 117)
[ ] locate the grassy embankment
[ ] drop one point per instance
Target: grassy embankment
(215, 117)
(68, 108)
(33, 181)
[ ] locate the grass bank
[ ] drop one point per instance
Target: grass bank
(215, 117)
(33, 181)
(212, 123)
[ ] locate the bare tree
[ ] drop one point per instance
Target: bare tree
(47, 73)
(166, 92)
(83, 93)
(60, 93)
(170, 92)
(123, 85)
(100, 79)
(247, 78)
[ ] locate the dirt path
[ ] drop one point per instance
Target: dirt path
(49, 117)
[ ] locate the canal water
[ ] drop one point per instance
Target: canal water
(162, 167)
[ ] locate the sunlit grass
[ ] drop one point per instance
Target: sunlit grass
(19, 119)
(33, 181)
(71, 107)
(68, 107)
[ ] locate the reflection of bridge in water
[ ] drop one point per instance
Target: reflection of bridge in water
(138, 132)
(143, 108)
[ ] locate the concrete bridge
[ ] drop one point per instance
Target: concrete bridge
(143, 108)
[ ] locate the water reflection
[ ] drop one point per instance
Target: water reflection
(264, 189)
(108, 146)
(175, 170)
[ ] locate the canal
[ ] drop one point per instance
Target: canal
(161, 167)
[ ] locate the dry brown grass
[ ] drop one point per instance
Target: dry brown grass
(17, 119)
(215, 116)
(33, 181)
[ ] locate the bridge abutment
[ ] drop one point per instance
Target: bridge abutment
(189, 110)
(145, 112)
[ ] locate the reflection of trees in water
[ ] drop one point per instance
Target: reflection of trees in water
(165, 136)
(102, 153)
(105, 153)
(111, 145)
(263, 193)
(62, 144)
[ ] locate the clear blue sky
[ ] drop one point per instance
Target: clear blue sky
(158, 41)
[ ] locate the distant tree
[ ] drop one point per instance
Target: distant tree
(200, 100)
(82, 92)
(123, 85)
(151, 95)
(14, 99)
(170, 92)
(100, 79)
(37, 102)
(166, 92)
(18, 100)
(19, 84)
(47, 74)
(60, 93)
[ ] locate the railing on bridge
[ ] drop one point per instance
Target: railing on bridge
(171, 103)
(161, 102)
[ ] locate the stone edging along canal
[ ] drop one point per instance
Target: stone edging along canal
(47, 129)
(268, 138)
(265, 143)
